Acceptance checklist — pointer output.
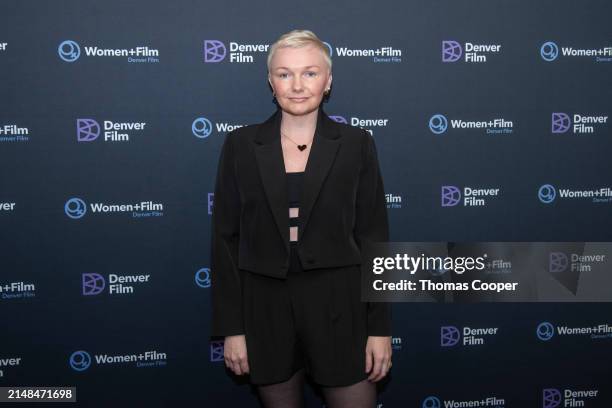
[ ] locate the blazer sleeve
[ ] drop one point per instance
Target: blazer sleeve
(226, 289)
(372, 225)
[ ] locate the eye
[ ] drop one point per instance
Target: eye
(311, 74)
(282, 75)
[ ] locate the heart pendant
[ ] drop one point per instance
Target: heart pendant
(301, 147)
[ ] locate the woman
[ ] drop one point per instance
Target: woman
(295, 198)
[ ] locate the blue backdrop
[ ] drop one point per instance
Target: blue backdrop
(112, 116)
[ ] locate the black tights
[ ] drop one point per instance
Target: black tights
(289, 394)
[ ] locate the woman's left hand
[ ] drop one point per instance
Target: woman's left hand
(378, 357)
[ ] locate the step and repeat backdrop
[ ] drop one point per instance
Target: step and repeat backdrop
(492, 123)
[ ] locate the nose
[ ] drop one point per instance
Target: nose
(297, 84)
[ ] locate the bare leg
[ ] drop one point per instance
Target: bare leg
(288, 394)
(358, 395)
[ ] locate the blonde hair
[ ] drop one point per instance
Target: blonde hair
(298, 39)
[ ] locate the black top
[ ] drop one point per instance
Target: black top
(294, 190)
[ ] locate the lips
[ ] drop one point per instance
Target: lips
(298, 99)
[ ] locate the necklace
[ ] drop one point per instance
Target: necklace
(299, 146)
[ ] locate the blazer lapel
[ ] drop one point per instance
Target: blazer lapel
(322, 155)
(269, 155)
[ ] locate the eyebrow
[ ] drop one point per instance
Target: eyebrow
(309, 66)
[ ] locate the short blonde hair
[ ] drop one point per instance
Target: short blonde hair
(298, 39)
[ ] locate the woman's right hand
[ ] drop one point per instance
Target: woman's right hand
(235, 354)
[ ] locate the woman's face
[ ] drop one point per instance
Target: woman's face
(299, 77)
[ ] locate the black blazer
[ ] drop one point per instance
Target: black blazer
(342, 205)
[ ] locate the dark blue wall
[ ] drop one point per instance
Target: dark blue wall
(66, 260)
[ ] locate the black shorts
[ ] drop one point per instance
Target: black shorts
(313, 319)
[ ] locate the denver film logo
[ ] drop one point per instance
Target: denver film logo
(7, 364)
(579, 124)
(557, 262)
(560, 262)
(560, 122)
(338, 119)
(88, 130)
(452, 51)
(450, 196)
(215, 51)
(451, 336)
(553, 398)
(217, 350)
(94, 283)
